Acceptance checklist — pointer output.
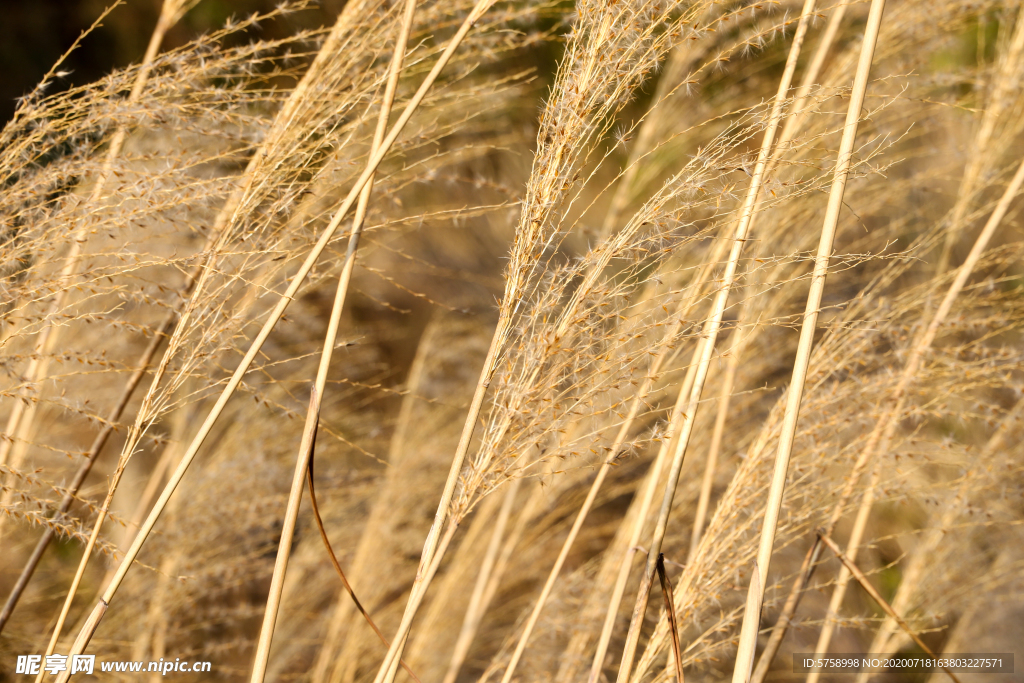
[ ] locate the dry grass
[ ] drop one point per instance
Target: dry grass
(584, 317)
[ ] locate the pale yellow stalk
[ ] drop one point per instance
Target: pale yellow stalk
(751, 616)
(794, 120)
(965, 194)
(266, 636)
(478, 600)
(711, 330)
(275, 315)
(1009, 66)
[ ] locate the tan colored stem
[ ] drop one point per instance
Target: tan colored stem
(888, 423)
(717, 433)
(792, 125)
(287, 534)
(810, 562)
(478, 599)
(751, 617)
(278, 312)
(711, 330)
(306, 448)
(788, 131)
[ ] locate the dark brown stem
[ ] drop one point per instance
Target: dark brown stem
(334, 558)
(670, 608)
(877, 597)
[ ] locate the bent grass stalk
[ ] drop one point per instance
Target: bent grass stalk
(752, 614)
(366, 549)
(262, 655)
(275, 316)
(710, 334)
(337, 565)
